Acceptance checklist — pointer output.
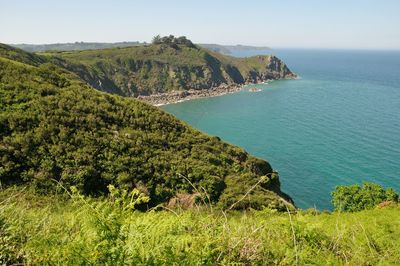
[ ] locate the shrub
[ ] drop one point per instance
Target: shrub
(356, 198)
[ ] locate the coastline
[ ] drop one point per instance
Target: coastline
(172, 97)
(180, 96)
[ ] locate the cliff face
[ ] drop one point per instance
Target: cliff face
(274, 69)
(146, 70)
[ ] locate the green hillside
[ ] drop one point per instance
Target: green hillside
(55, 128)
(163, 67)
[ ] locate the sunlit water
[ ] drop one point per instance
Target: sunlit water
(338, 124)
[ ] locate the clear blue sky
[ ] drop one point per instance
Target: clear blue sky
(363, 24)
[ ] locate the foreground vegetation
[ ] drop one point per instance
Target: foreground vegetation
(37, 230)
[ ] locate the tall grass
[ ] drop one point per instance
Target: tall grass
(38, 230)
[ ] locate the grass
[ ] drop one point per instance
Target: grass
(48, 230)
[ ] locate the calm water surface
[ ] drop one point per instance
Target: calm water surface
(338, 124)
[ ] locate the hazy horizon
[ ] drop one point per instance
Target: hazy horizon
(311, 24)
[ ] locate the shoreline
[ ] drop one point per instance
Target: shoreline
(172, 97)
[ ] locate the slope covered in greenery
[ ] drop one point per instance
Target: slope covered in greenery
(55, 128)
(163, 67)
(81, 231)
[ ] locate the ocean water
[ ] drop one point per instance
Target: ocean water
(339, 124)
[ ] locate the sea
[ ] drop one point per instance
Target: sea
(338, 124)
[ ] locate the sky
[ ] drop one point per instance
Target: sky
(340, 24)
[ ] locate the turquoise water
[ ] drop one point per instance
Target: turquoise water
(338, 124)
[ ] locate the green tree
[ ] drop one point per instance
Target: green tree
(156, 40)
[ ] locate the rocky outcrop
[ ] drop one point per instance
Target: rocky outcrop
(274, 69)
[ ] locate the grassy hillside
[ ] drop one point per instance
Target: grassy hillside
(144, 70)
(82, 231)
(8, 52)
(55, 128)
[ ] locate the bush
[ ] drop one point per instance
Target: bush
(356, 198)
(172, 40)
